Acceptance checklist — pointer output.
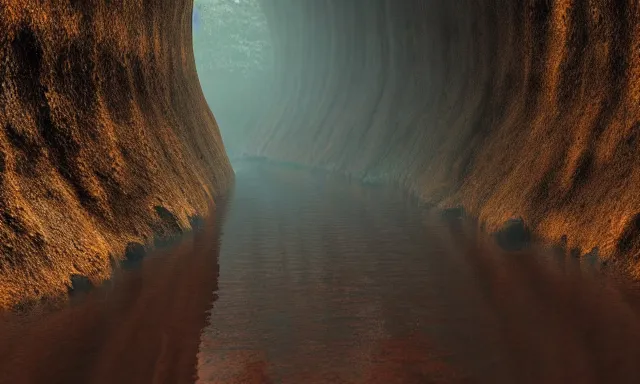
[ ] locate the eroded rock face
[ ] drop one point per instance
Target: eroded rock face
(102, 121)
(508, 108)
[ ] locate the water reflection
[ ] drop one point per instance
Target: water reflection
(141, 327)
(326, 281)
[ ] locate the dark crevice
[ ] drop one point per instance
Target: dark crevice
(629, 242)
(116, 84)
(27, 50)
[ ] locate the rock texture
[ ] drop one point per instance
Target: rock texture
(510, 109)
(105, 137)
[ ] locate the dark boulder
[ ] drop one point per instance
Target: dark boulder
(79, 284)
(134, 254)
(514, 235)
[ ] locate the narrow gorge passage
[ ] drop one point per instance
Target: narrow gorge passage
(305, 276)
(119, 121)
(323, 280)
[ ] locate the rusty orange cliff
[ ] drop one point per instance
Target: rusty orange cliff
(106, 138)
(509, 109)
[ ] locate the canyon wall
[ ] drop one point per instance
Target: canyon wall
(509, 108)
(105, 139)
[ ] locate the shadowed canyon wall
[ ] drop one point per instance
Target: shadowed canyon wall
(510, 108)
(105, 137)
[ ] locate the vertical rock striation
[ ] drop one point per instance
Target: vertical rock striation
(509, 108)
(102, 125)
(525, 109)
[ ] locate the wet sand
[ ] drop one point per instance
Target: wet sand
(315, 279)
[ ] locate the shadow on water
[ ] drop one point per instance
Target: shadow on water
(142, 326)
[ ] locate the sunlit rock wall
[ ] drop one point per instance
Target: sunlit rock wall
(511, 108)
(103, 129)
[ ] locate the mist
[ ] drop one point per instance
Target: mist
(234, 59)
(422, 191)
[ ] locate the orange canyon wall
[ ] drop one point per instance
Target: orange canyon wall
(509, 108)
(105, 137)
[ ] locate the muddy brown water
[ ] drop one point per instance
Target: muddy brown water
(316, 279)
